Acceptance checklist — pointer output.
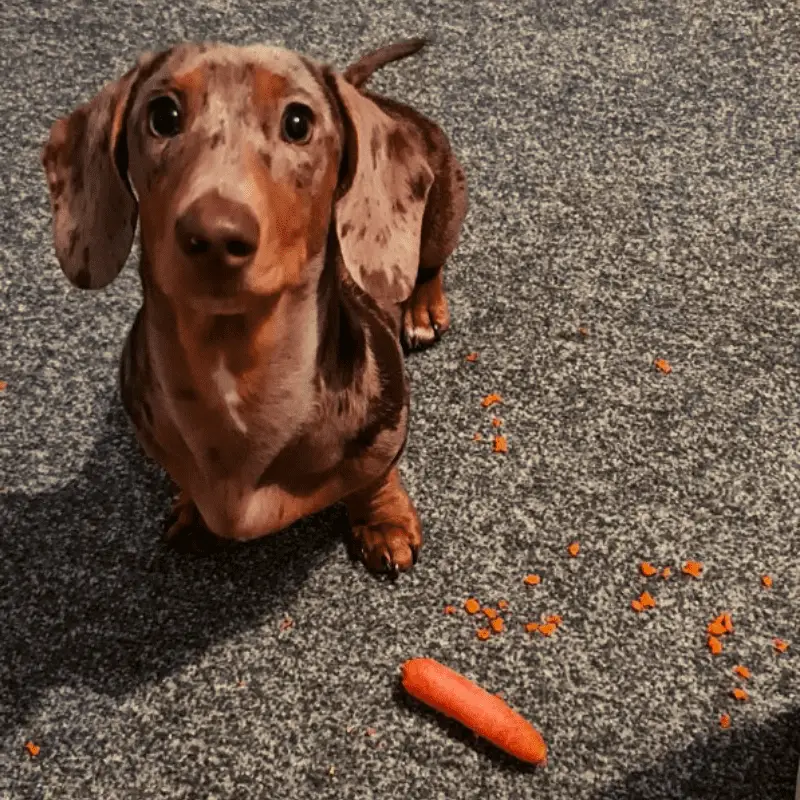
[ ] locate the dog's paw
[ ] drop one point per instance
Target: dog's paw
(426, 315)
(386, 548)
(186, 532)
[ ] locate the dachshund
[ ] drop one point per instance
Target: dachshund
(293, 231)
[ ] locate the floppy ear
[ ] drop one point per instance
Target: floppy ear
(385, 185)
(94, 211)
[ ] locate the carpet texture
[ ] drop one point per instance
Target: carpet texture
(633, 169)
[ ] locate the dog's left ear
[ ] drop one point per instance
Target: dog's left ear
(94, 210)
(383, 189)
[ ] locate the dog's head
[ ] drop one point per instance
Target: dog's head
(237, 160)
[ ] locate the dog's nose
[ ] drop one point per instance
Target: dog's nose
(218, 229)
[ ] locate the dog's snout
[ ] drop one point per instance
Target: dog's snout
(222, 230)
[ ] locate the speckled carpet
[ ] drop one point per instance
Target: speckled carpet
(633, 169)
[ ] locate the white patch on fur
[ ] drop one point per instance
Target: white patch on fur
(226, 386)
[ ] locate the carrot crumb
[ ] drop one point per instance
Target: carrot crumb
(532, 627)
(714, 645)
(727, 622)
(450, 609)
(780, 645)
(574, 548)
(532, 580)
(472, 606)
(33, 749)
(490, 400)
(472, 357)
(666, 572)
(766, 581)
(490, 612)
(662, 365)
(548, 629)
(647, 569)
(483, 633)
(502, 604)
(476, 437)
(742, 672)
(740, 694)
(496, 422)
(647, 600)
(555, 619)
(3, 386)
(725, 721)
(637, 606)
(583, 330)
(693, 568)
(716, 628)
(497, 625)
(500, 444)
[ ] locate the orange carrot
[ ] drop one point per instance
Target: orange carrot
(780, 645)
(766, 581)
(33, 749)
(532, 580)
(500, 444)
(491, 400)
(483, 633)
(647, 569)
(574, 549)
(742, 672)
(496, 422)
(555, 619)
(662, 365)
(637, 606)
(472, 357)
(716, 628)
(483, 713)
(497, 625)
(714, 645)
(548, 629)
(450, 610)
(472, 606)
(490, 612)
(727, 622)
(647, 600)
(740, 694)
(531, 627)
(725, 721)
(666, 572)
(502, 604)
(583, 330)
(693, 568)
(476, 437)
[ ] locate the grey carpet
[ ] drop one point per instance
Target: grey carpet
(634, 169)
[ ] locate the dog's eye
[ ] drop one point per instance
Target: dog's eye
(296, 123)
(164, 117)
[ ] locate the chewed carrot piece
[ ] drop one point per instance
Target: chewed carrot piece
(483, 633)
(483, 713)
(574, 548)
(725, 720)
(555, 619)
(714, 645)
(766, 581)
(33, 749)
(647, 569)
(740, 694)
(583, 330)
(662, 365)
(497, 625)
(742, 672)
(532, 580)
(450, 609)
(548, 629)
(647, 600)
(780, 645)
(637, 606)
(497, 422)
(472, 357)
(716, 628)
(500, 444)
(727, 621)
(476, 437)
(693, 568)
(3, 386)
(502, 604)
(491, 400)
(531, 627)
(472, 606)
(490, 612)
(666, 572)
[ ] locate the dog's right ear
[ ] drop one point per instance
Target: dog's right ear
(94, 210)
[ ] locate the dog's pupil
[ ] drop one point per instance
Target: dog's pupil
(296, 122)
(165, 117)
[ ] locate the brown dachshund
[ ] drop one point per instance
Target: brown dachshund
(293, 231)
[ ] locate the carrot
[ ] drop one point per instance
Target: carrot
(532, 580)
(740, 694)
(497, 625)
(742, 672)
(725, 721)
(555, 619)
(766, 581)
(637, 606)
(662, 365)
(780, 645)
(666, 572)
(548, 629)
(33, 749)
(647, 569)
(496, 422)
(583, 330)
(490, 612)
(472, 357)
(531, 627)
(476, 437)
(574, 548)
(483, 633)
(500, 444)
(450, 610)
(716, 628)
(502, 604)
(472, 606)
(3, 386)
(714, 645)
(693, 568)
(647, 600)
(491, 400)
(727, 622)
(483, 713)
